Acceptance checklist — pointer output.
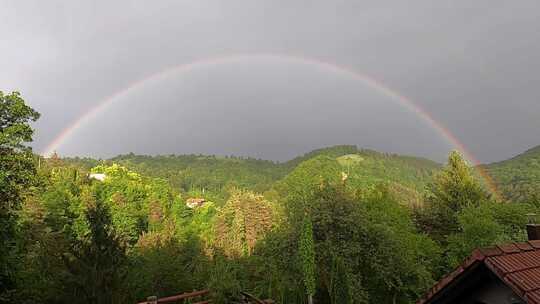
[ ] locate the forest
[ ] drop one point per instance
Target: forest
(336, 225)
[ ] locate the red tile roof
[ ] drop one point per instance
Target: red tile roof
(517, 265)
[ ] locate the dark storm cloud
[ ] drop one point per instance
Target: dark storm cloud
(473, 64)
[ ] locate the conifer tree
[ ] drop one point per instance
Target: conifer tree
(456, 186)
(453, 189)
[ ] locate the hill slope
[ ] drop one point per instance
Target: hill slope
(518, 178)
(368, 167)
(213, 175)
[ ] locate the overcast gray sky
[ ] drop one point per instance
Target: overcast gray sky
(474, 65)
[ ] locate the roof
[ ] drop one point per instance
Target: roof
(195, 200)
(516, 264)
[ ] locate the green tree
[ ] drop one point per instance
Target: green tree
(224, 283)
(163, 267)
(300, 187)
(38, 278)
(306, 251)
(96, 263)
(50, 220)
(340, 292)
(487, 224)
(386, 259)
(16, 173)
(454, 188)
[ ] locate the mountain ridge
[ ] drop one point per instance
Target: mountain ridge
(213, 176)
(518, 178)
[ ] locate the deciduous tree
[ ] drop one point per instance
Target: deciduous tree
(16, 173)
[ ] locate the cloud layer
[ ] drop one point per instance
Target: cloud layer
(472, 64)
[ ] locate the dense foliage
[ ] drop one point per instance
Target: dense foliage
(16, 174)
(196, 175)
(337, 225)
(518, 178)
(214, 177)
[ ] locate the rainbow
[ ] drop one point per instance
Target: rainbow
(366, 80)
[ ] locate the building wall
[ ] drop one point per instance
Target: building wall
(492, 291)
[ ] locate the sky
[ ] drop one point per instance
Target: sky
(256, 85)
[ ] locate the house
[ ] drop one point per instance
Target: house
(98, 176)
(195, 202)
(504, 274)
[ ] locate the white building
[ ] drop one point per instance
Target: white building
(99, 176)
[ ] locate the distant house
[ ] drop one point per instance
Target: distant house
(505, 274)
(99, 176)
(195, 202)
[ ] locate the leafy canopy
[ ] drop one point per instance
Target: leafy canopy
(16, 173)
